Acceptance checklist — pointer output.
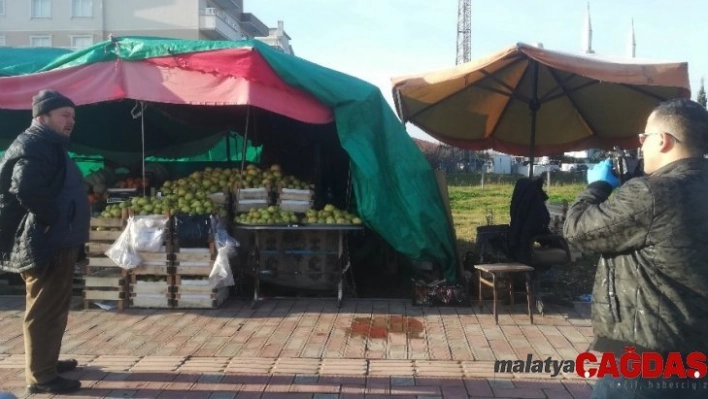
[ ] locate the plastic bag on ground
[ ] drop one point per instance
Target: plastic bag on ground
(221, 274)
(122, 251)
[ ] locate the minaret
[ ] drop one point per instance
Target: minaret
(587, 34)
(631, 43)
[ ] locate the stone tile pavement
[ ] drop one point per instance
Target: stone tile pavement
(308, 348)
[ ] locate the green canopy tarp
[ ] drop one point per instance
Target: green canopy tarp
(394, 186)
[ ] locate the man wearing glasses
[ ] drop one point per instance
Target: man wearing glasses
(651, 285)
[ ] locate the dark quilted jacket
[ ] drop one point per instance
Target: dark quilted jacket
(32, 172)
(651, 286)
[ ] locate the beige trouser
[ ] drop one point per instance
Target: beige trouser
(48, 301)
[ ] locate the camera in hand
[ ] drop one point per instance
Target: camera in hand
(625, 165)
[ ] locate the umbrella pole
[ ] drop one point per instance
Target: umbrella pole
(534, 106)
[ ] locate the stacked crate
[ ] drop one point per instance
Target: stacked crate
(151, 282)
(245, 199)
(104, 281)
(175, 277)
(191, 286)
(299, 201)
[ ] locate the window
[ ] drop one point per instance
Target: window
(79, 42)
(2, 41)
(40, 41)
(82, 8)
(41, 8)
(2, 7)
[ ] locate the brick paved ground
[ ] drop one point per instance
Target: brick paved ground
(308, 349)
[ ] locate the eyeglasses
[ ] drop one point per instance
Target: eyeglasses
(643, 137)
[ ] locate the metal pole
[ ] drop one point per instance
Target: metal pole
(534, 106)
(245, 139)
(228, 147)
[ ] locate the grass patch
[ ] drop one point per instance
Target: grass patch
(473, 206)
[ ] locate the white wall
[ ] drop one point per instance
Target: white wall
(158, 15)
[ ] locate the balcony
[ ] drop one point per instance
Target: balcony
(253, 26)
(235, 7)
(218, 25)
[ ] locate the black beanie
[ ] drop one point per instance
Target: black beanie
(48, 100)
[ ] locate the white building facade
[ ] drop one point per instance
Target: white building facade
(76, 24)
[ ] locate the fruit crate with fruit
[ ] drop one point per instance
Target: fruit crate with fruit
(104, 281)
(150, 282)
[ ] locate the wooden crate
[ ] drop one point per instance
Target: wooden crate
(106, 285)
(104, 281)
(297, 206)
(155, 263)
(194, 261)
(194, 285)
(211, 300)
(150, 301)
(295, 195)
(261, 193)
(220, 198)
(104, 230)
(145, 293)
(241, 206)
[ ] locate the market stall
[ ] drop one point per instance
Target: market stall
(141, 98)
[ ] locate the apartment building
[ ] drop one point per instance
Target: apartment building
(77, 24)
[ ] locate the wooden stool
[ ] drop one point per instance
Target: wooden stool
(501, 272)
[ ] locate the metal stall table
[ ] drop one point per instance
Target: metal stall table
(288, 243)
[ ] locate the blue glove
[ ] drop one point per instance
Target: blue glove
(603, 172)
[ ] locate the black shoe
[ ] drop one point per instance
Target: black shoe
(57, 385)
(64, 366)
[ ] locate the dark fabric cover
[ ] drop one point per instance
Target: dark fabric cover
(529, 218)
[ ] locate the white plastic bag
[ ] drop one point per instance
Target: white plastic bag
(147, 232)
(221, 274)
(122, 251)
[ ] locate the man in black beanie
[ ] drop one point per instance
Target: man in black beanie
(44, 220)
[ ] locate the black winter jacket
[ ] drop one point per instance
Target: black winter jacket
(32, 173)
(651, 286)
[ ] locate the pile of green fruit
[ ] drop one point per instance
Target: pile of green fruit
(254, 177)
(213, 180)
(270, 215)
(330, 215)
(202, 183)
(112, 211)
(190, 204)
